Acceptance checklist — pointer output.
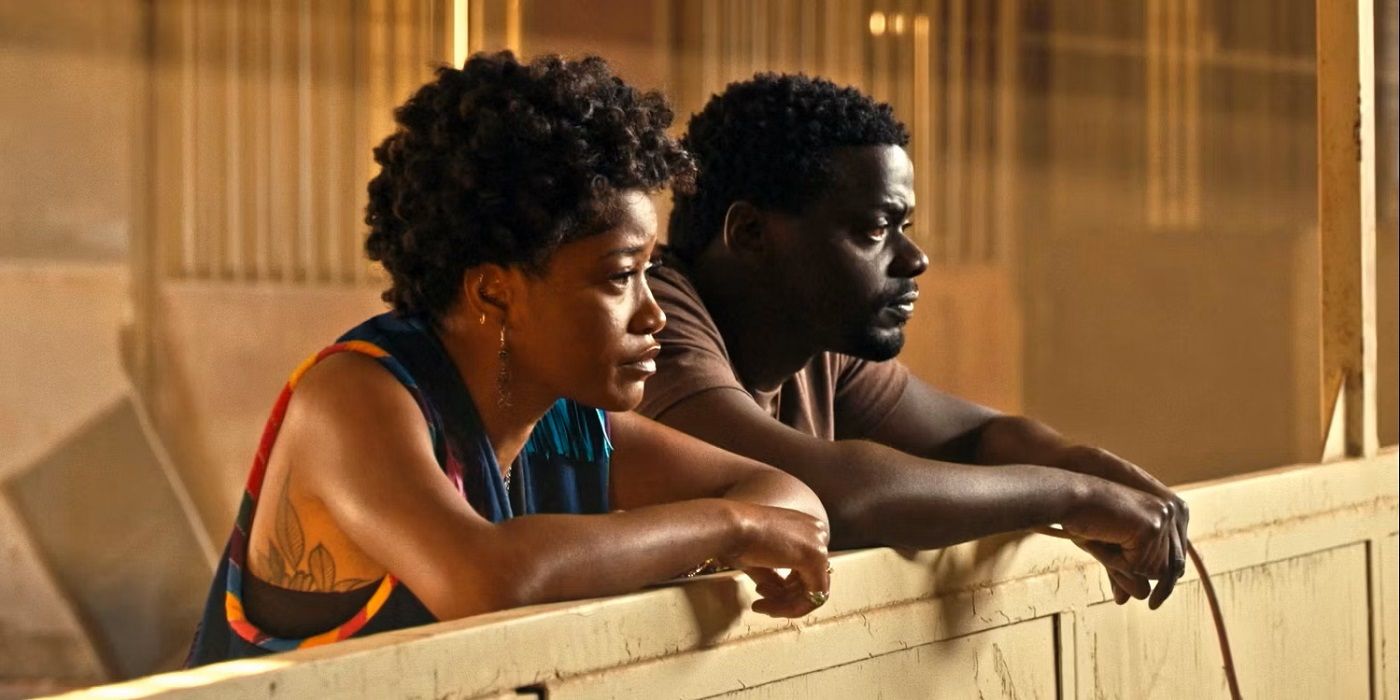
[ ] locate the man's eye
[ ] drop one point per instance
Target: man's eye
(878, 231)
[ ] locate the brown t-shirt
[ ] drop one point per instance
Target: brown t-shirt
(834, 396)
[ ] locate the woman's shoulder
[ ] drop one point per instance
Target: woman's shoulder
(346, 383)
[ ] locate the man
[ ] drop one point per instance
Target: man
(789, 280)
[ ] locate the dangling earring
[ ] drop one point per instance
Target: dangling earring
(503, 372)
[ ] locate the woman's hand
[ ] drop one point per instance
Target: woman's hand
(780, 538)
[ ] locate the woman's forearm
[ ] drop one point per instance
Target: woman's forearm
(771, 487)
(545, 558)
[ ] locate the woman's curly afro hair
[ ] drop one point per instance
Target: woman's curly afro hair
(502, 162)
(768, 141)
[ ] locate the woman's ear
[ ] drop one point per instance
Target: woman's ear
(487, 292)
(743, 232)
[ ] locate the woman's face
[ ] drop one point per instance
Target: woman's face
(585, 329)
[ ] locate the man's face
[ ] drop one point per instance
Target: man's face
(845, 267)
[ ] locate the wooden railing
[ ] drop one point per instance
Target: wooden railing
(1304, 559)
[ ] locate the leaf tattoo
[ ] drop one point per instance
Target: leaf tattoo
(282, 561)
(274, 566)
(351, 584)
(322, 568)
(290, 537)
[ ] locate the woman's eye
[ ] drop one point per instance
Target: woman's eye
(624, 276)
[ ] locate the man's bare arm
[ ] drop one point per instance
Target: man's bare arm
(933, 424)
(876, 494)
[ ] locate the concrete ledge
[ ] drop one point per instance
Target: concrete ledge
(1004, 616)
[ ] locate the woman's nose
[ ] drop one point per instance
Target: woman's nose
(649, 318)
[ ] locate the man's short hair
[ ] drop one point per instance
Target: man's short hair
(768, 141)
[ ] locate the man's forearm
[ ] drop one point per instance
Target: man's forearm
(887, 497)
(1009, 439)
(1021, 440)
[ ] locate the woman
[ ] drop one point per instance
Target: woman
(512, 214)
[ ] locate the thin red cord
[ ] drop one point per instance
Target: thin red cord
(1225, 655)
(1227, 658)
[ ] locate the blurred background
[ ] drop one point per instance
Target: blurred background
(1119, 199)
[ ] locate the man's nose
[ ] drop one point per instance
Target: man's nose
(909, 259)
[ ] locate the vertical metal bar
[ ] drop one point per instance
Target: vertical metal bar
(1346, 181)
(1153, 84)
(1191, 107)
(513, 27)
(832, 45)
(956, 190)
(147, 225)
(231, 262)
(1008, 92)
(262, 150)
(977, 227)
(306, 263)
(186, 106)
(935, 206)
(1169, 123)
(330, 100)
(807, 56)
(923, 134)
(461, 32)
(283, 141)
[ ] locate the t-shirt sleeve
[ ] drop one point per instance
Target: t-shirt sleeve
(693, 358)
(866, 393)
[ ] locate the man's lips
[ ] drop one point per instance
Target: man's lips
(904, 303)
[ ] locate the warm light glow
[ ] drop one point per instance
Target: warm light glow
(513, 26)
(897, 24)
(460, 32)
(877, 23)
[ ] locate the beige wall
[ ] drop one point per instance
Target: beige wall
(56, 373)
(223, 352)
(69, 75)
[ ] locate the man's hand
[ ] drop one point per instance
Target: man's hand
(1094, 461)
(1136, 535)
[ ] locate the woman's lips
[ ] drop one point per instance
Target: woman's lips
(645, 361)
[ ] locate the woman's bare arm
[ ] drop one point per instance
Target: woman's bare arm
(360, 447)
